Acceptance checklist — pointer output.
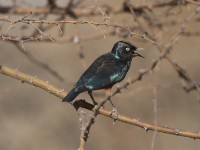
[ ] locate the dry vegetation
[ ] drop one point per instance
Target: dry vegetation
(53, 41)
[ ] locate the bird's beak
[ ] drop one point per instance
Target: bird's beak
(136, 54)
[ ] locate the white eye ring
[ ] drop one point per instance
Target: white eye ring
(128, 49)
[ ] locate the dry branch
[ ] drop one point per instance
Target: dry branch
(78, 12)
(81, 103)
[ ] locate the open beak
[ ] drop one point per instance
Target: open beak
(136, 54)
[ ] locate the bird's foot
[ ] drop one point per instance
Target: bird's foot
(114, 114)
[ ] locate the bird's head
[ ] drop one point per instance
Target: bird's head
(125, 51)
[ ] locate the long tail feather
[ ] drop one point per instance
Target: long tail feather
(71, 96)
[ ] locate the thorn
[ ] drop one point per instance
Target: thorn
(146, 129)
(177, 132)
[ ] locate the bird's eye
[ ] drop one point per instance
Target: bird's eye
(128, 49)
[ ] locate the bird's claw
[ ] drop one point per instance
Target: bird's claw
(114, 113)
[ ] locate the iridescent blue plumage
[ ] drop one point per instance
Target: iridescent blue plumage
(105, 71)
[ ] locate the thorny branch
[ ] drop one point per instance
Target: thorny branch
(75, 12)
(78, 12)
(190, 83)
(182, 73)
(83, 104)
(164, 54)
(166, 48)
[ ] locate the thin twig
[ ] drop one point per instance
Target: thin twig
(155, 109)
(37, 62)
(77, 42)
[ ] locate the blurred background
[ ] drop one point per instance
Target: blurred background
(31, 118)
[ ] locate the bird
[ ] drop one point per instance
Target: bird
(107, 70)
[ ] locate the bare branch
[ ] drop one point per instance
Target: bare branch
(78, 12)
(59, 93)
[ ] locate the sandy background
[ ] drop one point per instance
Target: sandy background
(33, 119)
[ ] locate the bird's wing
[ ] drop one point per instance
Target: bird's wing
(105, 76)
(100, 73)
(92, 69)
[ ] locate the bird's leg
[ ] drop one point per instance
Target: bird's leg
(94, 102)
(109, 94)
(114, 110)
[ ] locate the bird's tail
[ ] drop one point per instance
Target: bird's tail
(71, 95)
